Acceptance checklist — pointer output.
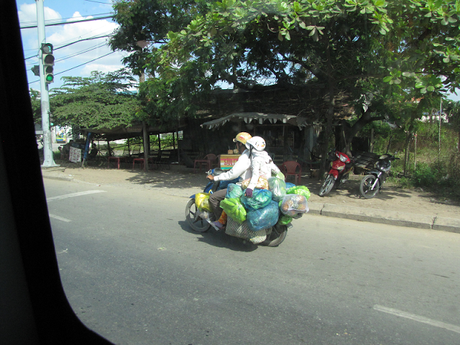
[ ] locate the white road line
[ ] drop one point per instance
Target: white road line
(72, 195)
(62, 219)
(417, 318)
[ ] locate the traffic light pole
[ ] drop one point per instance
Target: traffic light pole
(48, 159)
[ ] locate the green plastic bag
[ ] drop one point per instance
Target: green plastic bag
(299, 190)
(260, 198)
(284, 220)
(234, 209)
(234, 191)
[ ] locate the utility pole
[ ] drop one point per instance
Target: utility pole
(48, 159)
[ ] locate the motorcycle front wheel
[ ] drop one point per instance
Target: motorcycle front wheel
(365, 187)
(327, 185)
(192, 216)
(276, 237)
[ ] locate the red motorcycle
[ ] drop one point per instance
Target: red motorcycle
(339, 172)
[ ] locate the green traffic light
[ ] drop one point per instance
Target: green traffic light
(49, 78)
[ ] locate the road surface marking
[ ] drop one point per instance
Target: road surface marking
(62, 219)
(417, 318)
(72, 195)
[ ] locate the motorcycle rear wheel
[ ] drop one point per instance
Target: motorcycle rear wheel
(192, 216)
(366, 184)
(276, 237)
(327, 186)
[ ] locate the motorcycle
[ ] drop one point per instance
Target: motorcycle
(200, 220)
(341, 166)
(371, 184)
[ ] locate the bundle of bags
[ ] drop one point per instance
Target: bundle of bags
(273, 202)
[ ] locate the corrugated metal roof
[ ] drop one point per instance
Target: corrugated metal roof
(260, 118)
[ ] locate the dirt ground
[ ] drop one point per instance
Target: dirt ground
(183, 180)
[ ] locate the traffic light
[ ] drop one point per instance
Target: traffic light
(48, 62)
(36, 70)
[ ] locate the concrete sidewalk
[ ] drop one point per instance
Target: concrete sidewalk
(421, 221)
(343, 204)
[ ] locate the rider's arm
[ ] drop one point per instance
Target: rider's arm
(242, 164)
(274, 169)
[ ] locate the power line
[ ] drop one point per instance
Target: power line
(81, 40)
(99, 2)
(100, 57)
(81, 52)
(50, 21)
(66, 45)
(69, 22)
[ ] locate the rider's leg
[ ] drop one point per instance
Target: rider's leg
(215, 199)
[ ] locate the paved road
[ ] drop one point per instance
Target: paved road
(135, 273)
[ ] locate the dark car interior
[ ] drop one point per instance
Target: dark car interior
(33, 306)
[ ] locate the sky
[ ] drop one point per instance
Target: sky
(67, 59)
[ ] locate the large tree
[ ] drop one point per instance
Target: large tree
(99, 101)
(373, 55)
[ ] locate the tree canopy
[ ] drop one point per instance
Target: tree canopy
(386, 58)
(99, 101)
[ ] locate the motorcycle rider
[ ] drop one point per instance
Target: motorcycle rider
(241, 169)
(261, 163)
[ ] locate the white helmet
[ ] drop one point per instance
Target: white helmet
(258, 143)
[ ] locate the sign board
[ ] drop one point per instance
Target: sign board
(75, 155)
(228, 161)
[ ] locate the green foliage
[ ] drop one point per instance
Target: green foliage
(99, 101)
(426, 175)
(394, 52)
(36, 105)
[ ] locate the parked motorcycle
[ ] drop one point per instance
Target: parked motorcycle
(341, 166)
(372, 183)
(200, 220)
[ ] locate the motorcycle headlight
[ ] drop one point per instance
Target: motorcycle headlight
(384, 166)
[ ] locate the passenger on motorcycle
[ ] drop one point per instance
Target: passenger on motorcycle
(261, 163)
(241, 169)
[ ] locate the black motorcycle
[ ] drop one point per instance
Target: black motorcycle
(372, 182)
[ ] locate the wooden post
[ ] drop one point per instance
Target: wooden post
(146, 146)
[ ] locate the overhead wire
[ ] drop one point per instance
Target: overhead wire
(71, 43)
(69, 21)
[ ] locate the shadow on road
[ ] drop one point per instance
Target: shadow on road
(220, 239)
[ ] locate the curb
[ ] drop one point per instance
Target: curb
(419, 221)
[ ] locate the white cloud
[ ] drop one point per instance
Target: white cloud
(28, 14)
(104, 68)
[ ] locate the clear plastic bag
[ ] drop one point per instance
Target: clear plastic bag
(260, 198)
(202, 201)
(263, 218)
(293, 204)
(277, 187)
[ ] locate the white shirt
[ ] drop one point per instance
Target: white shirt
(240, 169)
(261, 165)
